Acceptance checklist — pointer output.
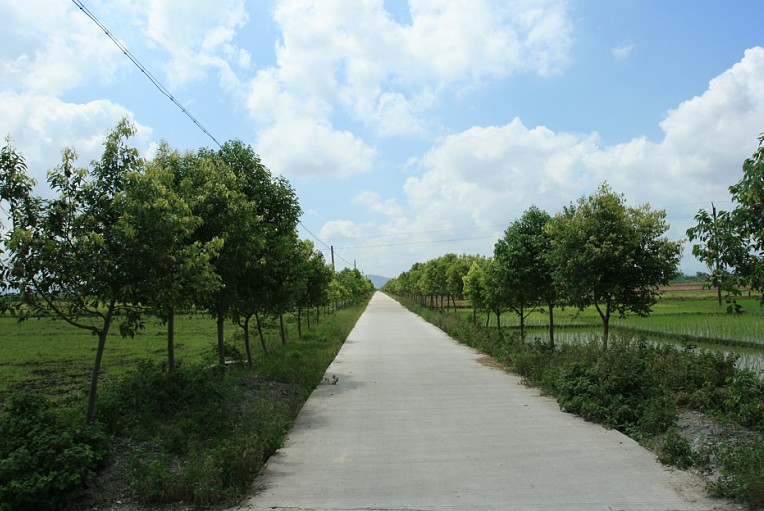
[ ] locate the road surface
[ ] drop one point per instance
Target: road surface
(409, 419)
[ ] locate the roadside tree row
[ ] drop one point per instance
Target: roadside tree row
(127, 237)
(597, 252)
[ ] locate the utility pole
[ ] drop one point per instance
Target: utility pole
(332, 249)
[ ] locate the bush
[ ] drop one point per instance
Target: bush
(745, 401)
(676, 450)
(742, 474)
(619, 391)
(188, 403)
(44, 456)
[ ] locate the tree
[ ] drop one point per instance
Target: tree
(68, 254)
(456, 268)
(315, 276)
(263, 278)
(474, 287)
(495, 294)
(214, 193)
(22, 209)
(523, 269)
(721, 248)
(748, 193)
(173, 270)
(611, 256)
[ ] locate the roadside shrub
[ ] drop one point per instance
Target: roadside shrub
(742, 475)
(676, 450)
(190, 402)
(745, 401)
(44, 456)
(619, 391)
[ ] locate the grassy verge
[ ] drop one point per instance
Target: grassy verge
(193, 435)
(639, 388)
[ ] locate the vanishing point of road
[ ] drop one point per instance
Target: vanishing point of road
(409, 419)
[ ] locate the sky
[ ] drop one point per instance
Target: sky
(409, 129)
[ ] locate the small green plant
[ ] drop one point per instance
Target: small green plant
(44, 455)
(745, 401)
(676, 450)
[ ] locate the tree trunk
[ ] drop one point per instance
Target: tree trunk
(221, 340)
(281, 327)
(551, 324)
(246, 341)
(498, 322)
(260, 333)
(299, 322)
(318, 313)
(93, 391)
(605, 316)
(171, 339)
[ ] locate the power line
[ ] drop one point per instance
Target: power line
(143, 69)
(324, 244)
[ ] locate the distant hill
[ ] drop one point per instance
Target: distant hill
(377, 280)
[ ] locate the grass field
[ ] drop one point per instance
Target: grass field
(52, 356)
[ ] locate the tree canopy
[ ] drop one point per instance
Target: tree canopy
(125, 237)
(611, 256)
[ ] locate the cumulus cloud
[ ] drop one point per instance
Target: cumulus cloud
(41, 126)
(308, 148)
(49, 47)
(377, 206)
(199, 35)
(490, 175)
(353, 59)
(341, 229)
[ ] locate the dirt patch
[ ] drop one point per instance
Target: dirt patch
(491, 362)
(707, 435)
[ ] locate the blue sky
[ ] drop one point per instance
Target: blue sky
(409, 128)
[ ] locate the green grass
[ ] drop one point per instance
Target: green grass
(56, 358)
(194, 435)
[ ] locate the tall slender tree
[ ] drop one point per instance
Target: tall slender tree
(68, 254)
(523, 269)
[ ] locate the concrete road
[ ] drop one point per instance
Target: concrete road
(416, 422)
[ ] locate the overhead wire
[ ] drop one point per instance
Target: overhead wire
(324, 244)
(161, 88)
(143, 69)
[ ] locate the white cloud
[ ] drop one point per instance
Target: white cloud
(341, 229)
(490, 175)
(199, 36)
(623, 52)
(377, 206)
(353, 58)
(41, 126)
(310, 148)
(50, 47)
